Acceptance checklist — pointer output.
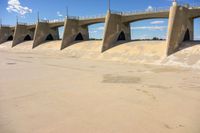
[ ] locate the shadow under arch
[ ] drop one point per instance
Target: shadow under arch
(121, 37)
(49, 38)
(27, 38)
(10, 38)
(187, 36)
(79, 37)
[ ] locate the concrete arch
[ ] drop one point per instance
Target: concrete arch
(121, 36)
(147, 18)
(150, 28)
(187, 35)
(49, 37)
(79, 37)
(10, 38)
(139, 17)
(27, 38)
(94, 28)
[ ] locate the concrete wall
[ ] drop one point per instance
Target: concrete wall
(21, 31)
(5, 33)
(179, 23)
(71, 29)
(113, 27)
(146, 15)
(43, 29)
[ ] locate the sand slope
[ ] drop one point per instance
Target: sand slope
(148, 52)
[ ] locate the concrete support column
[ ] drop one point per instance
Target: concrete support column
(180, 28)
(191, 28)
(5, 33)
(114, 27)
(72, 29)
(21, 31)
(43, 30)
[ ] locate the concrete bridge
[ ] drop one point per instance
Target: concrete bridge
(117, 28)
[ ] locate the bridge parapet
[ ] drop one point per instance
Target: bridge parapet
(56, 20)
(73, 17)
(92, 17)
(116, 12)
(22, 23)
(6, 26)
(194, 6)
(44, 21)
(153, 10)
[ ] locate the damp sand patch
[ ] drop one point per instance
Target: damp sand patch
(11, 63)
(168, 69)
(108, 78)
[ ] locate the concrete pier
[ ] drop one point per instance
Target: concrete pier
(6, 34)
(180, 28)
(73, 32)
(76, 30)
(115, 31)
(23, 33)
(45, 32)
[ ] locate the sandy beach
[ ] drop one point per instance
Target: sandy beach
(132, 88)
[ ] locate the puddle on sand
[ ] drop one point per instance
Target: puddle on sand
(108, 78)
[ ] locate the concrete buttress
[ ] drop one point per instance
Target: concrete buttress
(6, 33)
(180, 28)
(115, 31)
(44, 32)
(22, 33)
(73, 32)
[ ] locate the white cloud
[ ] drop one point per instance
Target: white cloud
(15, 6)
(149, 9)
(100, 28)
(59, 14)
(92, 32)
(149, 28)
(157, 22)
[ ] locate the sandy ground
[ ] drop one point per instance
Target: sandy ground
(79, 90)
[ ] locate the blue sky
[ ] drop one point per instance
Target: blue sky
(26, 10)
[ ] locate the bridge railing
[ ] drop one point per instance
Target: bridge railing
(31, 24)
(195, 5)
(21, 23)
(116, 12)
(56, 20)
(150, 10)
(7, 26)
(91, 17)
(73, 17)
(44, 20)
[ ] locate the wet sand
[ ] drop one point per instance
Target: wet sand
(45, 91)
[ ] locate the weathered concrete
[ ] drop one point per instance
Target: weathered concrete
(146, 15)
(77, 30)
(23, 33)
(117, 24)
(117, 28)
(72, 30)
(6, 33)
(114, 28)
(180, 28)
(45, 31)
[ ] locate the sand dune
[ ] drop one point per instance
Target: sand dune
(147, 52)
